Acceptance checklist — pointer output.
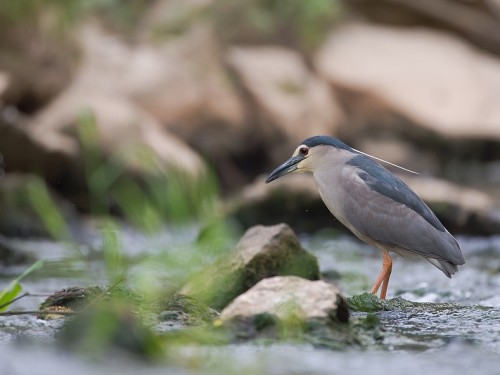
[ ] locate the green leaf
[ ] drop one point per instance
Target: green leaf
(8, 294)
(14, 288)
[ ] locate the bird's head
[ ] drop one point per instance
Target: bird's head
(308, 155)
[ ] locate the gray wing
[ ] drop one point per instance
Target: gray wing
(382, 207)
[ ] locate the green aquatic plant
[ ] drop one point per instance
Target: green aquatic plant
(367, 302)
(159, 193)
(109, 325)
(43, 204)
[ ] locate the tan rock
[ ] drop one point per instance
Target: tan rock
(283, 296)
(427, 76)
(112, 76)
(40, 62)
(123, 128)
(181, 82)
(295, 102)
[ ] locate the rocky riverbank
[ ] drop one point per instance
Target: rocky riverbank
(199, 98)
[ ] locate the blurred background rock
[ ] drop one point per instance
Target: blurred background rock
(236, 85)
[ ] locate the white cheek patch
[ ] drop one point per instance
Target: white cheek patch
(303, 166)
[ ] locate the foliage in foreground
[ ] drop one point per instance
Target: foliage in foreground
(127, 314)
(9, 294)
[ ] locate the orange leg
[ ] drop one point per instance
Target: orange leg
(384, 275)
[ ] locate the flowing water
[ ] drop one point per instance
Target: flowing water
(448, 326)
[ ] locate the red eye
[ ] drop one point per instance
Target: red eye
(303, 151)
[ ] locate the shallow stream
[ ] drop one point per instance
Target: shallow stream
(452, 326)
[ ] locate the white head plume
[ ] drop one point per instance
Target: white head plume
(385, 161)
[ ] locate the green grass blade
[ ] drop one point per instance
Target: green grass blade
(14, 288)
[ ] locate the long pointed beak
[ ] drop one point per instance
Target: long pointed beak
(287, 167)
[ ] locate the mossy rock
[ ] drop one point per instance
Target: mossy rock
(261, 253)
(367, 302)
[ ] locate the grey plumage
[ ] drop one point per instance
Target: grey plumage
(403, 220)
(385, 183)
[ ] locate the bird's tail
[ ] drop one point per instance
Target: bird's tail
(447, 267)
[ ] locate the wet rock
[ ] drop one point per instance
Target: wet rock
(367, 329)
(286, 295)
(291, 100)
(68, 301)
(174, 311)
(262, 252)
(367, 302)
(79, 299)
(432, 79)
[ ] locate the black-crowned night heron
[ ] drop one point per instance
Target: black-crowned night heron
(375, 205)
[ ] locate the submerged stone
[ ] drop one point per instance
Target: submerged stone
(175, 310)
(70, 300)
